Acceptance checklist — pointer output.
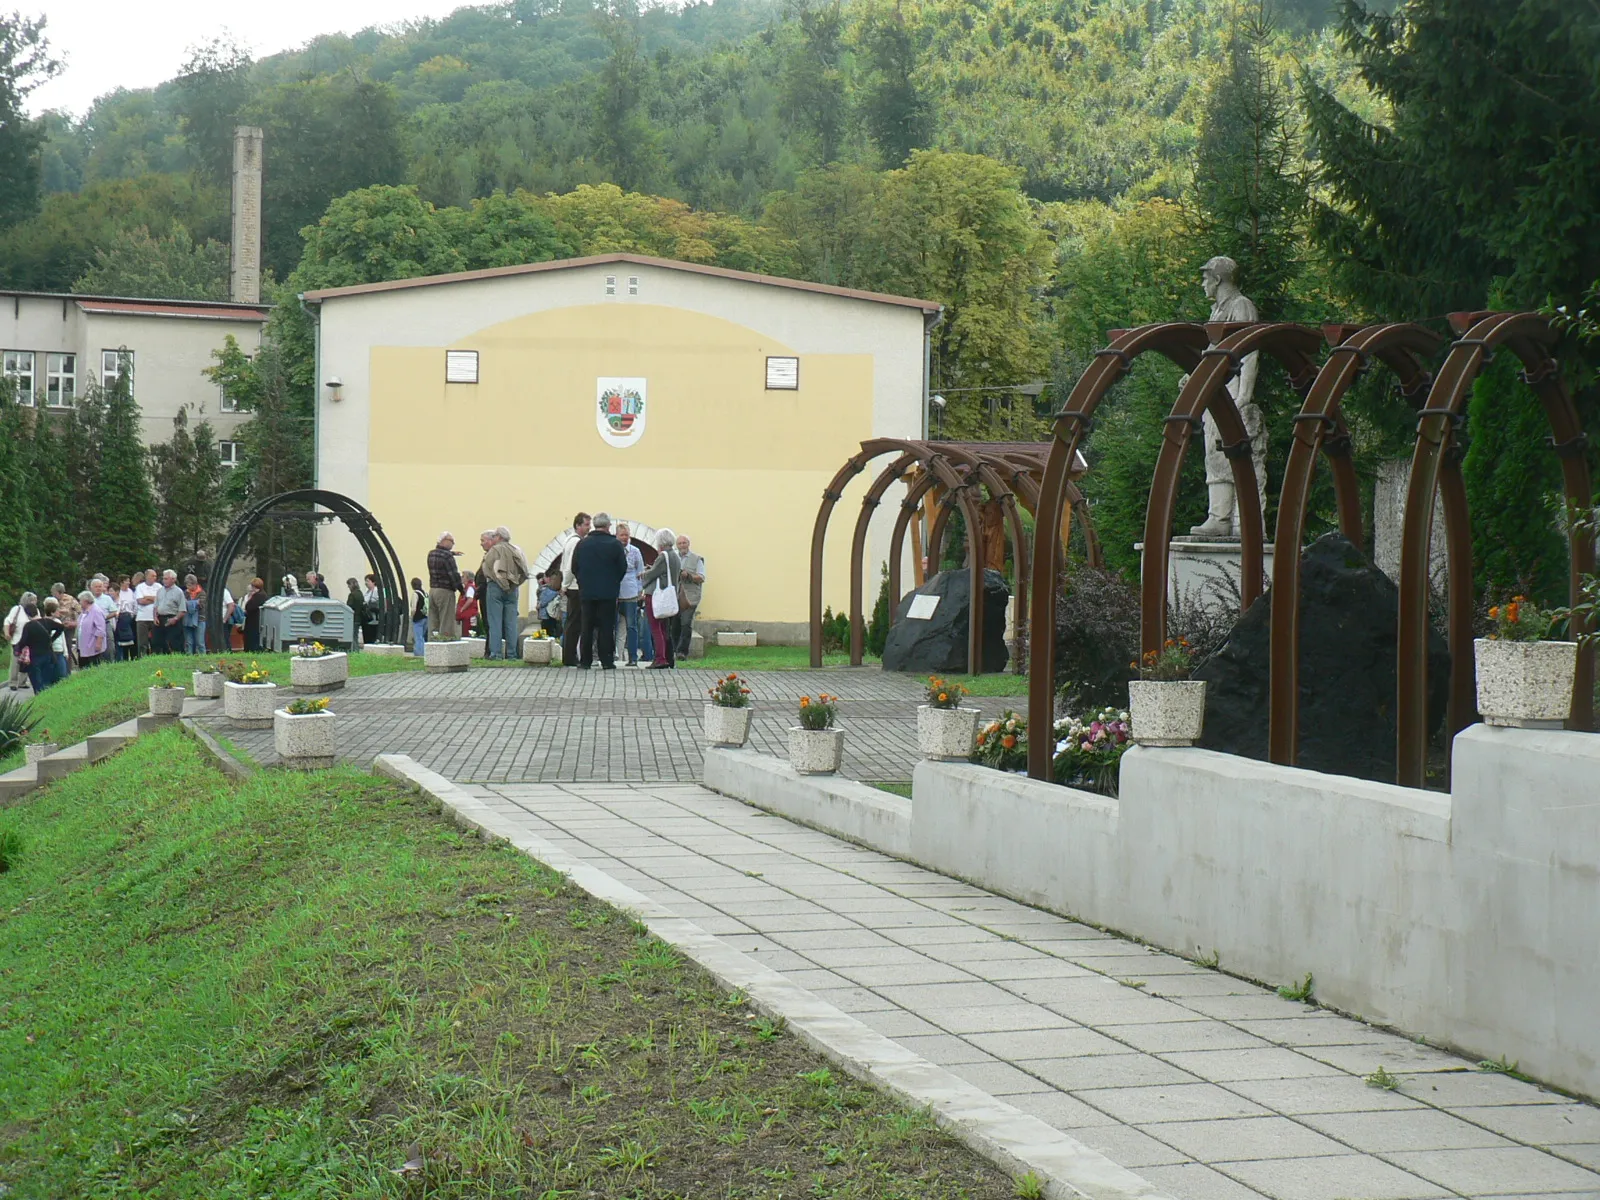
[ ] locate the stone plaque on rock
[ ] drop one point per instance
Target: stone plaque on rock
(938, 643)
(1349, 612)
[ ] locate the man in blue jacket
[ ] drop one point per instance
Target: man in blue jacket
(599, 562)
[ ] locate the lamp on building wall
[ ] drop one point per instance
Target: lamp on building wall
(938, 403)
(335, 387)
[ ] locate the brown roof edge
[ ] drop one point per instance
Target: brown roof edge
(561, 264)
(94, 298)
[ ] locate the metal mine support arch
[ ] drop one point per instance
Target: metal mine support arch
(947, 475)
(1529, 337)
(1181, 342)
(1319, 426)
(1207, 391)
(1212, 355)
(368, 533)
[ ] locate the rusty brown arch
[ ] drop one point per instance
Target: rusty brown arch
(1406, 350)
(1181, 342)
(967, 463)
(1006, 470)
(1529, 337)
(932, 458)
(1294, 346)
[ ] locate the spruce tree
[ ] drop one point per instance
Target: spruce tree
(124, 508)
(897, 115)
(187, 470)
(52, 558)
(16, 502)
(1248, 191)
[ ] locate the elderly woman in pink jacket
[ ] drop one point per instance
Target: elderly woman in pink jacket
(92, 640)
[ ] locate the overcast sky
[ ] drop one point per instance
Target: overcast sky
(107, 44)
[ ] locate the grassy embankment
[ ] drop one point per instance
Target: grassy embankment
(312, 985)
(88, 701)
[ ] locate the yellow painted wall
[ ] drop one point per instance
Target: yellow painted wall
(738, 468)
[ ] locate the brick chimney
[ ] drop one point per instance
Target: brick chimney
(244, 280)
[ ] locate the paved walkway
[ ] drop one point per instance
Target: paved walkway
(515, 724)
(1209, 1087)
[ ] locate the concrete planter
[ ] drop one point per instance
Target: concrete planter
(536, 651)
(249, 705)
(946, 733)
(1527, 685)
(384, 649)
(729, 638)
(477, 647)
(208, 684)
(447, 656)
(34, 751)
(305, 740)
(727, 726)
(326, 673)
(815, 751)
(167, 701)
(1166, 712)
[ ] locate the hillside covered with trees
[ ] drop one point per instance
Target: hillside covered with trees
(1045, 168)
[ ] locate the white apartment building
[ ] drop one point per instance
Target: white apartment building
(54, 346)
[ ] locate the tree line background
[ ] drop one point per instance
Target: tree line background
(1047, 169)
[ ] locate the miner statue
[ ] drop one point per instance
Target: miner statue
(1228, 304)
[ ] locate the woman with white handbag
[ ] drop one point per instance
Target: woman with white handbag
(659, 586)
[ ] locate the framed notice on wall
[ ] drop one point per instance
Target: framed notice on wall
(783, 374)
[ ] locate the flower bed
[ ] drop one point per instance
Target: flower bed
(1088, 750)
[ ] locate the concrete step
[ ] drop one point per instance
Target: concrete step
(149, 722)
(201, 706)
(108, 741)
(16, 784)
(63, 762)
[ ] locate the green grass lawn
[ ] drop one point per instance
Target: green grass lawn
(88, 701)
(798, 658)
(312, 985)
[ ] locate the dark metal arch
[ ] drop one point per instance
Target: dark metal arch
(933, 460)
(1529, 337)
(362, 524)
(1319, 427)
(1294, 346)
(1179, 341)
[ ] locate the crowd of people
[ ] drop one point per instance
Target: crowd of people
(600, 599)
(109, 621)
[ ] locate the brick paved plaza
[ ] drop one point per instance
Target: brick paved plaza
(550, 724)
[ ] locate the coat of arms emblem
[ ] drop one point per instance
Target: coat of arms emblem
(620, 410)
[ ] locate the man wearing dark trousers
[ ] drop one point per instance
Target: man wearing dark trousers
(572, 631)
(599, 562)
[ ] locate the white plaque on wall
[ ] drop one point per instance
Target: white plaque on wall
(922, 608)
(461, 366)
(620, 409)
(783, 374)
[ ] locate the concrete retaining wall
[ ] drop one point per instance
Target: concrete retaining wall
(1472, 919)
(843, 807)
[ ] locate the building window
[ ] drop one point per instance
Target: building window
(611, 285)
(232, 453)
(633, 285)
(111, 365)
(60, 380)
(461, 366)
(783, 374)
(19, 369)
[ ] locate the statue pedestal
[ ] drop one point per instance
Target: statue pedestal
(1206, 571)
